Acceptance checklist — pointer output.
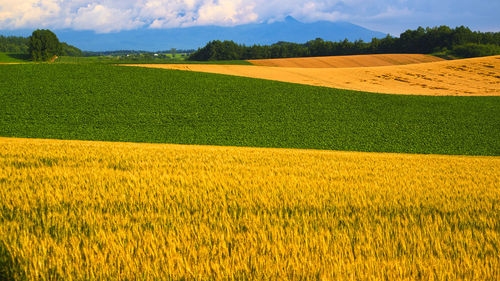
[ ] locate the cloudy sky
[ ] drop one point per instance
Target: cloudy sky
(103, 16)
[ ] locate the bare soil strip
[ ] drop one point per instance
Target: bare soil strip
(348, 61)
(468, 77)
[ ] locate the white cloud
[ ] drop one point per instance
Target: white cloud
(18, 14)
(226, 12)
(115, 15)
(105, 19)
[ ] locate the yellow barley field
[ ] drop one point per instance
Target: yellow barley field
(74, 210)
(466, 77)
(348, 61)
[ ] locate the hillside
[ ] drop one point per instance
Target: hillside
(348, 61)
(146, 211)
(13, 58)
(467, 77)
(122, 103)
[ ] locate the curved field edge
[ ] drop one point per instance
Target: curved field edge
(110, 103)
(124, 211)
(465, 77)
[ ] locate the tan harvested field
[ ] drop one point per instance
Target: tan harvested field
(348, 61)
(79, 210)
(467, 77)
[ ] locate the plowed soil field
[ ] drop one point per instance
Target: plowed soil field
(348, 61)
(467, 77)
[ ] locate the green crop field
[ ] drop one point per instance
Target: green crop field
(117, 60)
(68, 59)
(13, 58)
(113, 103)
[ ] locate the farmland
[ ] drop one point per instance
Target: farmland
(125, 60)
(348, 61)
(469, 77)
(122, 211)
(111, 103)
(12, 58)
(111, 172)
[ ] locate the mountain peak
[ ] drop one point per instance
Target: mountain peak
(290, 19)
(289, 30)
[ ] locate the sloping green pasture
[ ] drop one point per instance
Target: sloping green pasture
(13, 58)
(115, 103)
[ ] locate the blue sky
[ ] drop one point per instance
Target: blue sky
(103, 16)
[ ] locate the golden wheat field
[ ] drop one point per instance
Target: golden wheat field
(76, 210)
(348, 61)
(467, 77)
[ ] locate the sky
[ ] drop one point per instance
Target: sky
(104, 16)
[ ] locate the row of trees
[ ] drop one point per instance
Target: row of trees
(425, 41)
(172, 51)
(14, 44)
(42, 45)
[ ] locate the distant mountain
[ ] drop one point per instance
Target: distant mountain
(148, 39)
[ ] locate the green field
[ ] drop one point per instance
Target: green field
(24, 58)
(13, 58)
(113, 103)
(219, 62)
(67, 59)
(116, 60)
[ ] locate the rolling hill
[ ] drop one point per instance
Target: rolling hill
(347, 61)
(466, 77)
(121, 103)
(137, 211)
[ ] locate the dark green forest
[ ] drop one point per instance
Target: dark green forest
(459, 42)
(14, 44)
(20, 45)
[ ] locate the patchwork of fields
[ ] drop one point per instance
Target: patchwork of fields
(111, 103)
(125, 211)
(470, 77)
(227, 208)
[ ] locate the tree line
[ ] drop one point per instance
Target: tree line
(135, 52)
(40, 39)
(14, 44)
(442, 40)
